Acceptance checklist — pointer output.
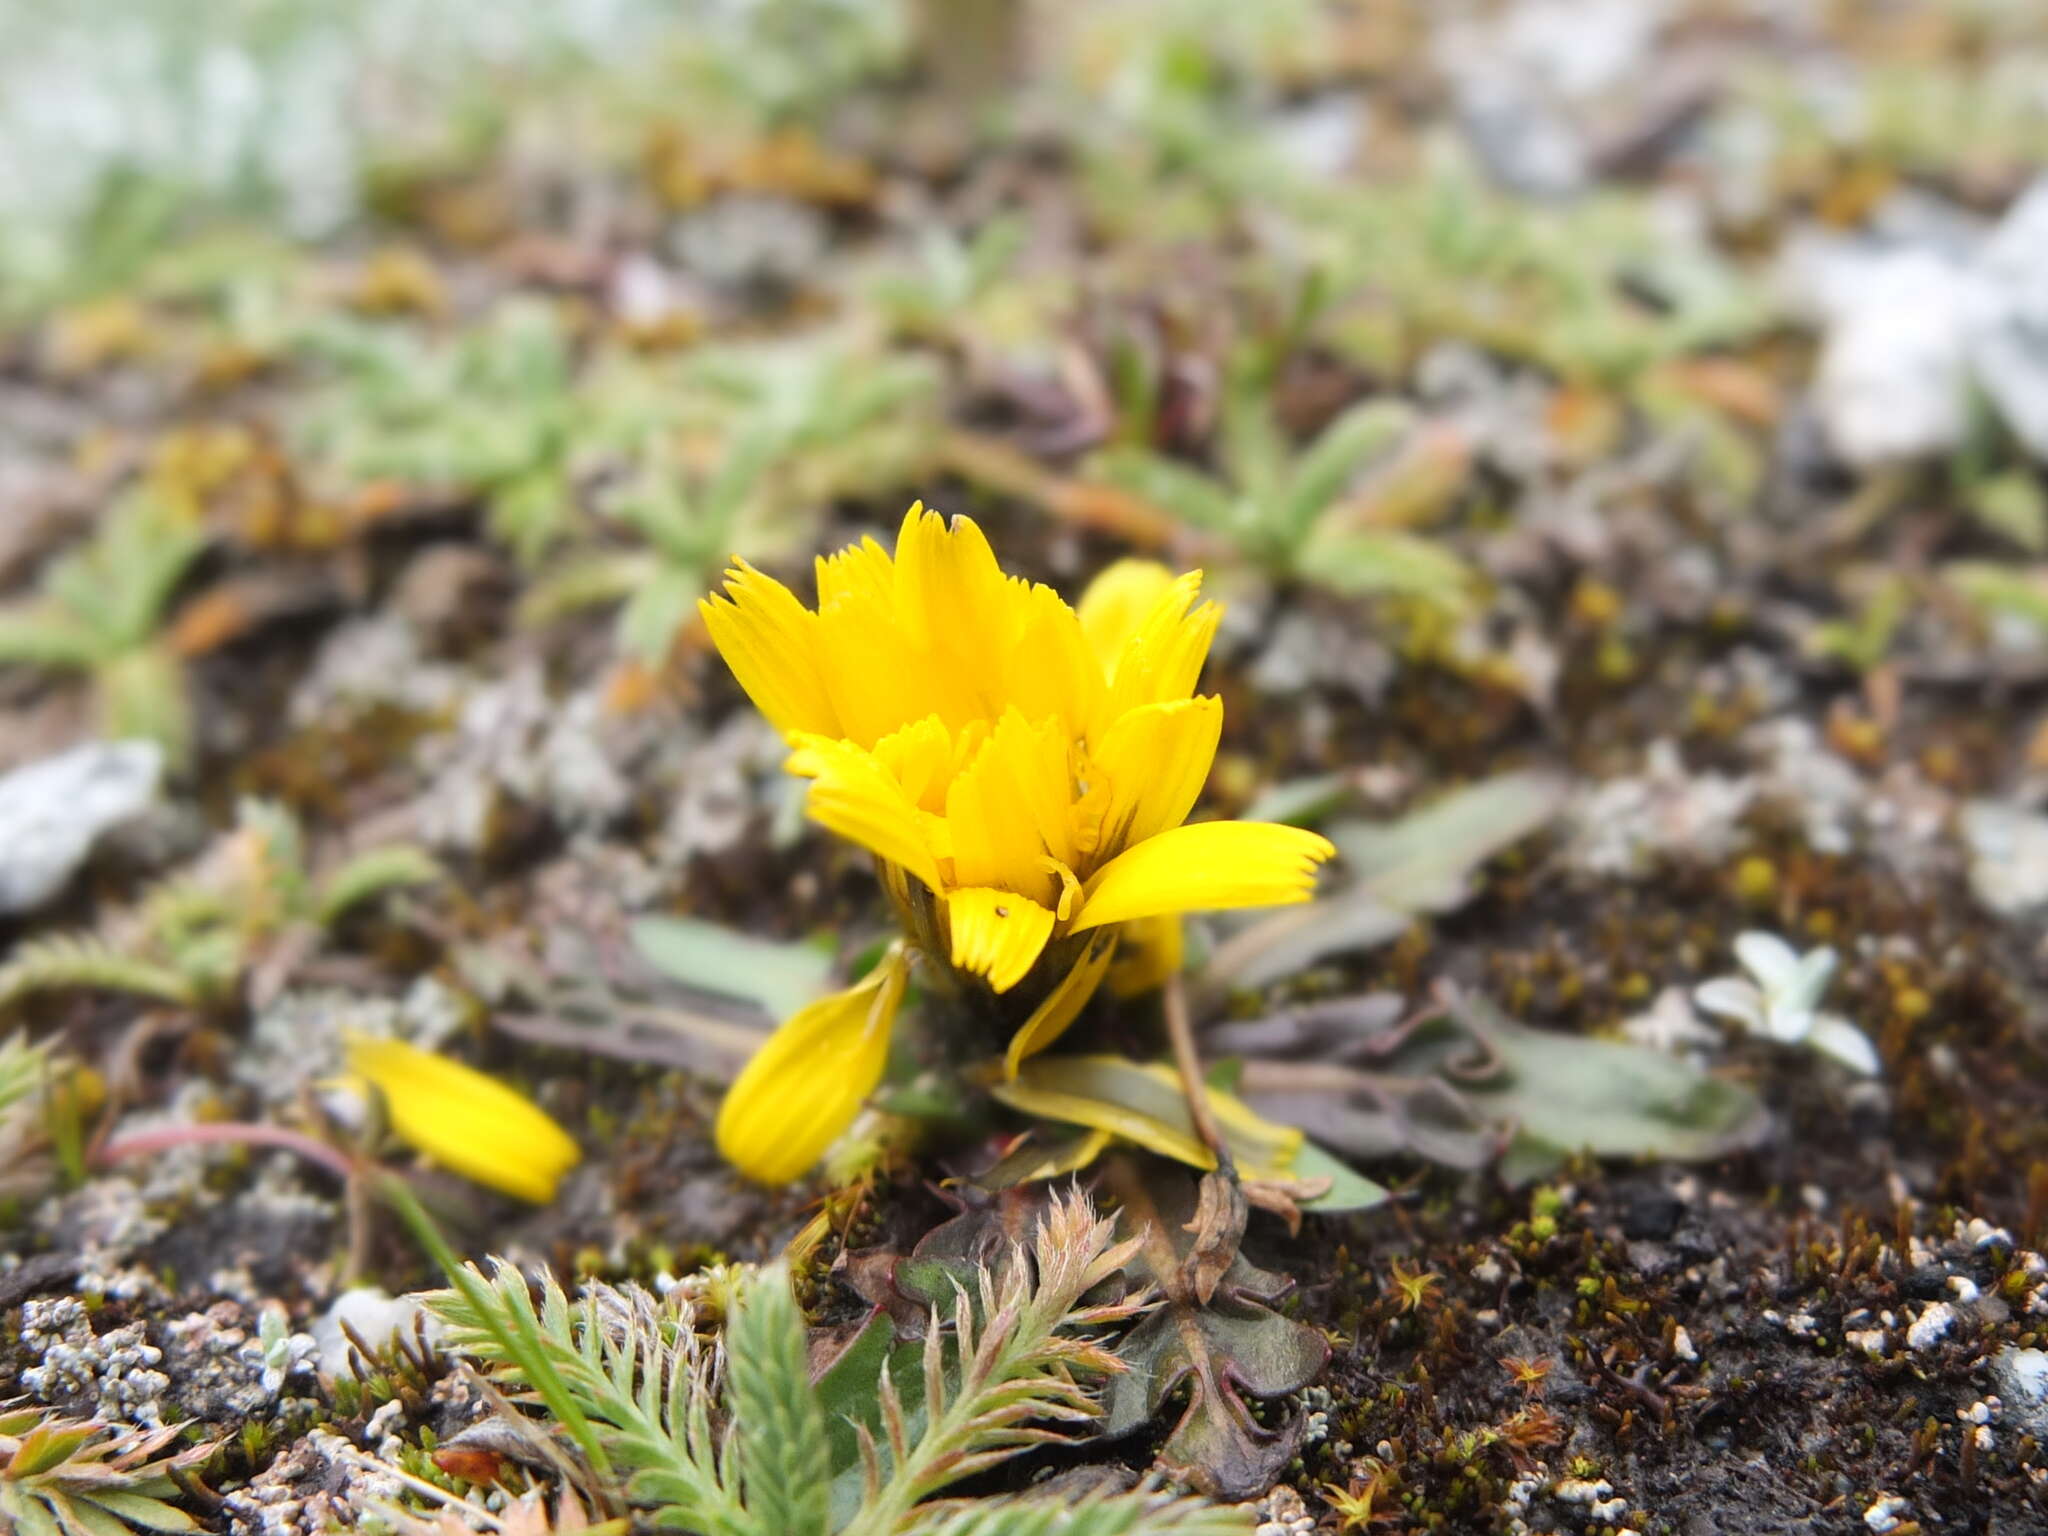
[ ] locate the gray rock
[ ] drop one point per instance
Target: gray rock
(2022, 1377)
(53, 811)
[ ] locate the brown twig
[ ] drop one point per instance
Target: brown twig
(1180, 1031)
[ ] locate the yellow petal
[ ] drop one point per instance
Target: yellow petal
(768, 639)
(464, 1120)
(803, 1088)
(1116, 603)
(1155, 759)
(1153, 951)
(861, 574)
(1011, 807)
(1051, 670)
(1163, 656)
(877, 679)
(1063, 1004)
(858, 798)
(997, 934)
(1205, 867)
(1144, 1102)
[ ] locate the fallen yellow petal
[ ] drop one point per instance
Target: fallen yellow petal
(467, 1122)
(803, 1088)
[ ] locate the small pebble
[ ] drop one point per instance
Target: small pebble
(1931, 1326)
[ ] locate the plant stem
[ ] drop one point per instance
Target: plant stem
(234, 1132)
(518, 1339)
(1180, 1031)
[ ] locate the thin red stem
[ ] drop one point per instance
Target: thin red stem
(236, 1132)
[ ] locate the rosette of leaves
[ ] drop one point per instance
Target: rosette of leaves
(80, 1477)
(503, 412)
(1283, 507)
(688, 522)
(100, 611)
(845, 420)
(195, 938)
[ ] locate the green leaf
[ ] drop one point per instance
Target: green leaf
(2012, 504)
(1422, 863)
(1321, 473)
(1300, 802)
(45, 635)
(2002, 589)
(1143, 1103)
(150, 1514)
(1377, 562)
(777, 978)
(47, 1446)
(1564, 1094)
(373, 873)
(1125, 1514)
(658, 611)
(1349, 1189)
(1177, 489)
(143, 697)
(784, 1456)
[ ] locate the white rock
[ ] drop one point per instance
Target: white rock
(1931, 1326)
(1884, 1515)
(375, 1316)
(2008, 318)
(53, 811)
(1892, 382)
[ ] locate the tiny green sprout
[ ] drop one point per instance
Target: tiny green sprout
(1547, 1200)
(1416, 1288)
(1354, 1504)
(100, 611)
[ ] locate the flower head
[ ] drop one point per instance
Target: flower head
(1782, 1001)
(1022, 772)
(464, 1120)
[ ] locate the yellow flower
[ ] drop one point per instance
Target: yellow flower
(1021, 771)
(465, 1121)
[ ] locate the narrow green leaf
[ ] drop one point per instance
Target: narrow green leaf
(779, 978)
(785, 1459)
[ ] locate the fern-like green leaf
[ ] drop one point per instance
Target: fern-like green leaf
(23, 1069)
(785, 1460)
(45, 635)
(370, 874)
(142, 697)
(72, 962)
